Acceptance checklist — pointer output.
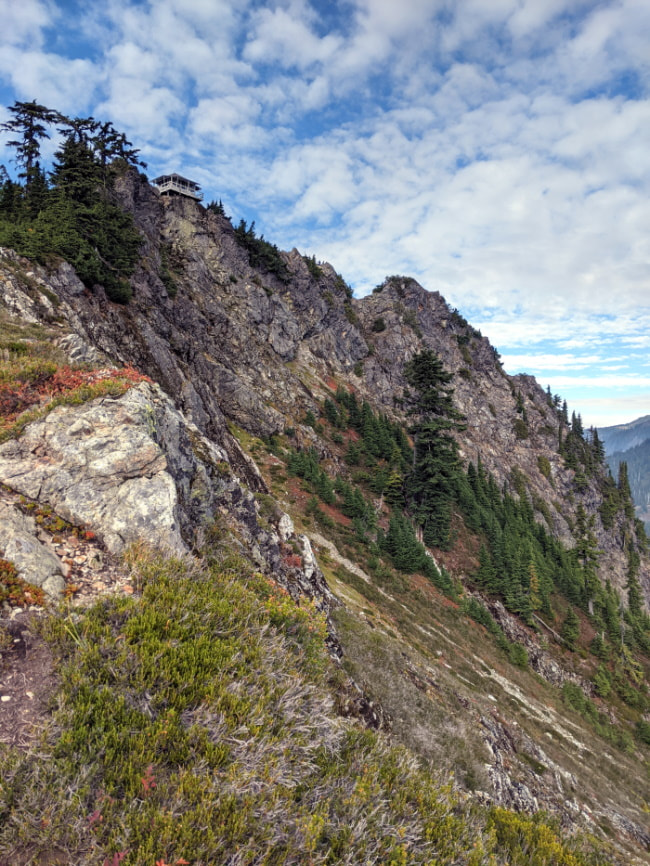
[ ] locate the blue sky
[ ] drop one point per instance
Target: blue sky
(496, 150)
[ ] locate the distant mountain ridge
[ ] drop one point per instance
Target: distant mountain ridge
(631, 443)
(622, 437)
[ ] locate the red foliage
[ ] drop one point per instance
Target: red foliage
(148, 780)
(292, 560)
(66, 379)
(16, 397)
(116, 859)
(95, 818)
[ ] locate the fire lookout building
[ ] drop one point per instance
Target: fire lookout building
(175, 184)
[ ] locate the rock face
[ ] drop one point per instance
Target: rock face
(238, 345)
(99, 465)
(130, 469)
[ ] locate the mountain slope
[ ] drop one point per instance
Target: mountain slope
(637, 459)
(301, 389)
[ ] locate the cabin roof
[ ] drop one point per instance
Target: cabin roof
(178, 178)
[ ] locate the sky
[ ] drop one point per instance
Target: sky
(496, 150)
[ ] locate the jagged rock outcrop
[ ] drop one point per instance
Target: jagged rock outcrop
(234, 347)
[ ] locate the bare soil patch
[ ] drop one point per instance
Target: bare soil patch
(27, 681)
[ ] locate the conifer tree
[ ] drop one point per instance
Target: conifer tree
(31, 121)
(565, 412)
(571, 628)
(75, 217)
(634, 593)
(430, 485)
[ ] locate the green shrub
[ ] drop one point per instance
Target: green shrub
(350, 312)
(643, 732)
(518, 655)
(194, 724)
(544, 466)
(521, 428)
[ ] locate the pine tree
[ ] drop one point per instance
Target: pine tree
(597, 446)
(624, 490)
(603, 682)
(586, 553)
(402, 545)
(634, 593)
(565, 412)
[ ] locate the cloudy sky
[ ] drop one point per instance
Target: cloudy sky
(496, 150)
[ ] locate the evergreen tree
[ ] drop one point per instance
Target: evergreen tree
(624, 490)
(598, 647)
(576, 424)
(30, 121)
(565, 412)
(76, 173)
(603, 682)
(634, 593)
(75, 217)
(430, 485)
(571, 629)
(611, 615)
(597, 446)
(402, 545)
(586, 552)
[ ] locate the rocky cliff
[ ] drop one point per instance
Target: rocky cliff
(239, 358)
(236, 344)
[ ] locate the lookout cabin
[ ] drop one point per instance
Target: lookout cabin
(174, 184)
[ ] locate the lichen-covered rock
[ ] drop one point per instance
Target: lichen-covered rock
(133, 468)
(20, 545)
(99, 465)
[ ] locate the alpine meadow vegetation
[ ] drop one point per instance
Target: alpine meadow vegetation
(195, 724)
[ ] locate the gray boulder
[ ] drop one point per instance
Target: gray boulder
(33, 561)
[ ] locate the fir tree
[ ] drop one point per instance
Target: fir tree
(571, 629)
(634, 593)
(430, 485)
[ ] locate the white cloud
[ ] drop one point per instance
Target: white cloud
(49, 79)
(281, 37)
(617, 381)
(23, 23)
(606, 411)
(555, 362)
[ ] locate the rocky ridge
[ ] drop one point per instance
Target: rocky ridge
(238, 346)
(239, 353)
